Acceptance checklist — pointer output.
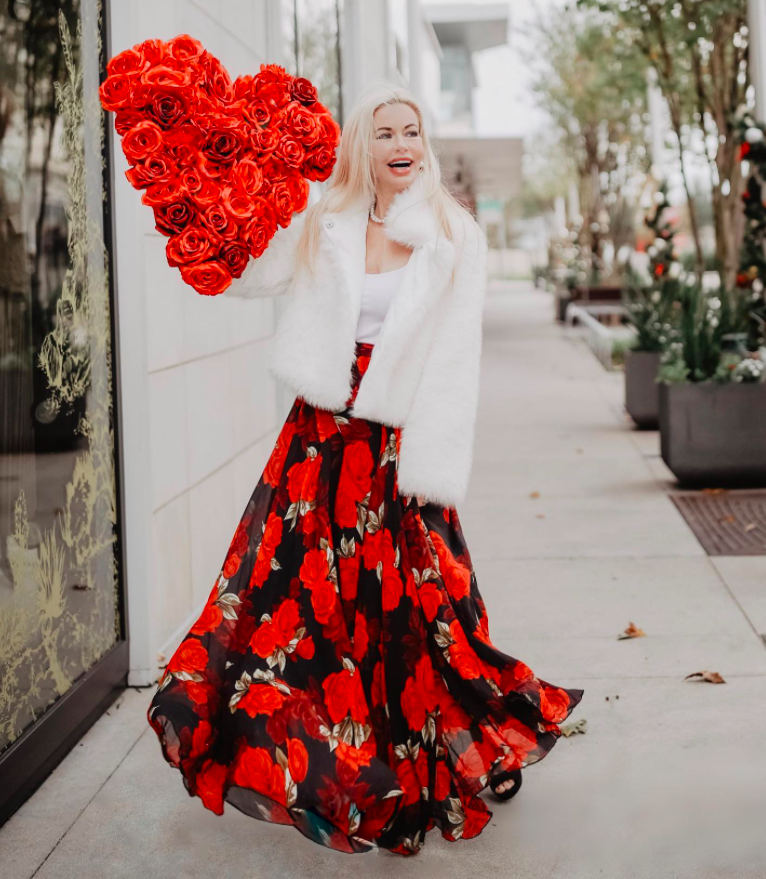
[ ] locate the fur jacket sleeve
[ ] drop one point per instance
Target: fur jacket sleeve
(437, 440)
(273, 272)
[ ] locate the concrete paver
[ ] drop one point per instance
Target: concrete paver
(667, 781)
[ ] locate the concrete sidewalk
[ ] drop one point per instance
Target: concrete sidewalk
(668, 780)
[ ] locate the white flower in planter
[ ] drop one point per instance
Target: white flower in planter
(656, 296)
(748, 370)
(675, 270)
(757, 285)
(753, 135)
(660, 243)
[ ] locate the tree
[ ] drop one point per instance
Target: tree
(699, 51)
(593, 88)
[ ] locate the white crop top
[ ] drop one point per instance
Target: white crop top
(379, 290)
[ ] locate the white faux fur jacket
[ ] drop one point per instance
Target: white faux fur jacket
(423, 375)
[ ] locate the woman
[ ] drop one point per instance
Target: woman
(341, 677)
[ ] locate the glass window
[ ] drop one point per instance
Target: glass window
(59, 609)
(313, 35)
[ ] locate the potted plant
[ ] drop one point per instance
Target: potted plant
(713, 394)
(650, 305)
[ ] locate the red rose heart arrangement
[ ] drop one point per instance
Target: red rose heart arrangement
(221, 163)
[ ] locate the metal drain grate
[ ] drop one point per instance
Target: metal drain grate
(725, 522)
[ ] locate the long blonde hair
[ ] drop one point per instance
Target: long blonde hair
(351, 183)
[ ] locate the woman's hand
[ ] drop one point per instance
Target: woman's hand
(420, 499)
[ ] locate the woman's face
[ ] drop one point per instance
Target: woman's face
(396, 136)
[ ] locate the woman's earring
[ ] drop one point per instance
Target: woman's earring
(421, 166)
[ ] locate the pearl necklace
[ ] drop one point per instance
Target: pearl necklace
(373, 217)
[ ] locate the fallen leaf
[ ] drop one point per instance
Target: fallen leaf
(534, 494)
(712, 677)
(576, 726)
(631, 632)
(540, 516)
(751, 526)
(730, 519)
(714, 490)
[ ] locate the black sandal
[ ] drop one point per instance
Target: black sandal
(498, 778)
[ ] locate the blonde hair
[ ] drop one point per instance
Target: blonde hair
(351, 183)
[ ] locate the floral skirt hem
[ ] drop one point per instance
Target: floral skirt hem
(341, 677)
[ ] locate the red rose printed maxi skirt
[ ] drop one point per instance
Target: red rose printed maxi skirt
(341, 677)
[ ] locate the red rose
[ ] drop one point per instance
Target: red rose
(234, 257)
(430, 600)
(127, 62)
(222, 146)
(412, 705)
(297, 759)
(475, 760)
(261, 699)
(174, 218)
(554, 704)
(169, 108)
(264, 641)
(209, 784)
(286, 619)
(217, 80)
(260, 230)
(257, 113)
(303, 479)
(302, 90)
(186, 49)
(303, 124)
(209, 620)
(287, 199)
(191, 656)
(247, 177)
(272, 85)
(238, 203)
(305, 648)
(124, 120)
(191, 246)
(289, 151)
(220, 222)
(318, 163)
(156, 169)
(208, 278)
(264, 141)
(323, 600)
(207, 194)
(141, 141)
(338, 689)
(151, 51)
(163, 193)
(170, 74)
(115, 92)
(315, 567)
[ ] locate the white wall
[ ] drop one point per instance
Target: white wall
(200, 413)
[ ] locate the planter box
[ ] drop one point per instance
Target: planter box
(714, 435)
(642, 393)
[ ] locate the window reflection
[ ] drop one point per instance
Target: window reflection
(58, 597)
(313, 29)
